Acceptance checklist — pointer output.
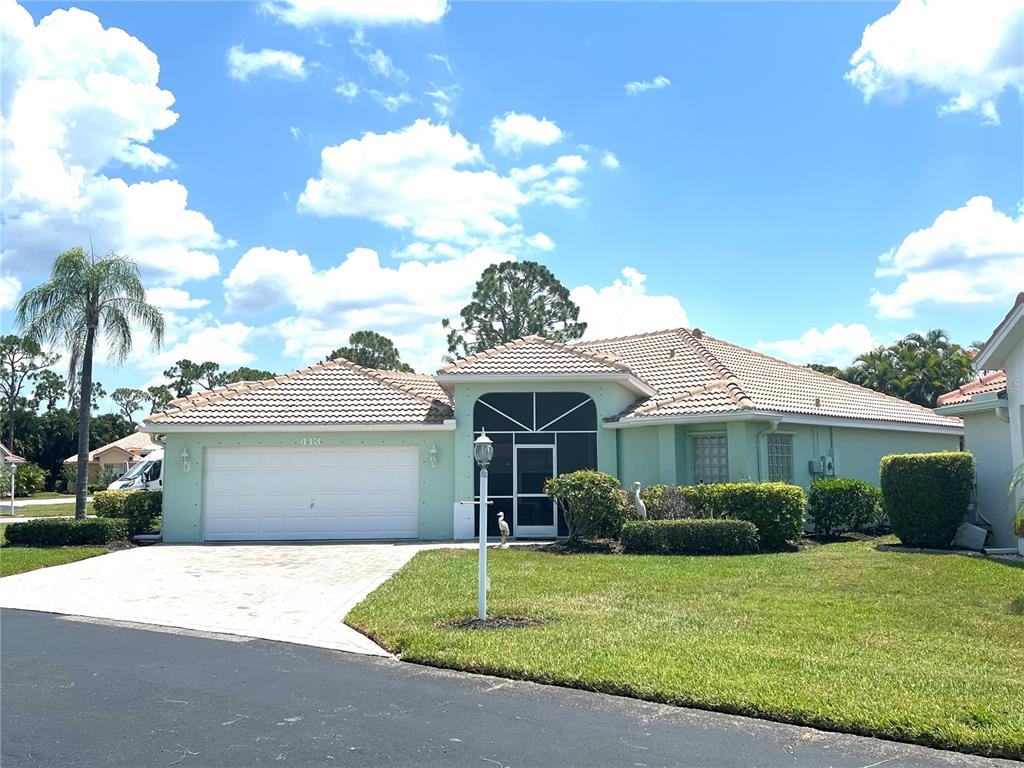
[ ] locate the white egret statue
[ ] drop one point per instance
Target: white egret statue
(503, 527)
(641, 508)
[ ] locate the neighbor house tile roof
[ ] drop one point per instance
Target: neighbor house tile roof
(334, 392)
(135, 443)
(534, 355)
(10, 455)
(697, 374)
(990, 382)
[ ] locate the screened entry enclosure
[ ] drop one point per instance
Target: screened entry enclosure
(536, 435)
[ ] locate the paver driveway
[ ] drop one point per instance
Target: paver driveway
(297, 593)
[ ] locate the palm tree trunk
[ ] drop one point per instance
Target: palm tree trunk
(84, 411)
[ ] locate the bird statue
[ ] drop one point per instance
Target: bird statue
(641, 508)
(503, 527)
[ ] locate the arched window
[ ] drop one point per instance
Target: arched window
(536, 435)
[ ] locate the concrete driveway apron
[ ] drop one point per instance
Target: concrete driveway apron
(297, 593)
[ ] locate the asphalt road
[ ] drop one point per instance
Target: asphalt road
(80, 693)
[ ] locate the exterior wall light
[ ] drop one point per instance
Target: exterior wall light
(433, 456)
(186, 461)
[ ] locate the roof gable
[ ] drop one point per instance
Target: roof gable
(991, 382)
(334, 392)
(535, 355)
(1006, 335)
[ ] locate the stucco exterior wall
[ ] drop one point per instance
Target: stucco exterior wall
(859, 451)
(183, 493)
(1014, 367)
(645, 454)
(988, 438)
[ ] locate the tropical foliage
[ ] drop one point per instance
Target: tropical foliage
(87, 299)
(21, 361)
(511, 300)
(917, 368)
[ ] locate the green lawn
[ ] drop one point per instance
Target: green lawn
(52, 495)
(914, 647)
(19, 559)
(46, 510)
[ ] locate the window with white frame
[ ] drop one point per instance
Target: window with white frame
(780, 458)
(710, 454)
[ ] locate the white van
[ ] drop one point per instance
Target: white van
(145, 475)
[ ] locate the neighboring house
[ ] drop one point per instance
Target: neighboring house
(993, 412)
(113, 459)
(9, 456)
(341, 451)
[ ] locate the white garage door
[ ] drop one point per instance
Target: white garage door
(311, 493)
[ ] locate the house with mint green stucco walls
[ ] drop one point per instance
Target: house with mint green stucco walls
(992, 408)
(337, 451)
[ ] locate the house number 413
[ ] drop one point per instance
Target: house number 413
(311, 441)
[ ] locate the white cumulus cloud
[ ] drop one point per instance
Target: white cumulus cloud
(541, 242)
(972, 51)
(837, 345)
(625, 307)
(80, 99)
(323, 306)
(10, 291)
(513, 131)
(639, 86)
(285, 64)
(306, 13)
(609, 160)
(970, 255)
(173, 298)
(423, 178)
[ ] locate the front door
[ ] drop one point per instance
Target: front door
(534, 510)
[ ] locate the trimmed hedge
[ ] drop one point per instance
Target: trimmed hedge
(926, 495)
(689, 537)
(776, 509)
(133, 504)
(842, 504)
(63, 532)
(593, 503)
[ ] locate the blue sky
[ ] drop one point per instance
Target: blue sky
(750, 182)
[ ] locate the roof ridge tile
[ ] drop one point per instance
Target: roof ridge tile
(733, 383)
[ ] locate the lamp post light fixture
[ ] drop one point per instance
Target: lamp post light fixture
(186, 461)
(483, 452)
(433, 456)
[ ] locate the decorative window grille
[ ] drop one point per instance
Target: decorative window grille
(780, 458)
(710, 458)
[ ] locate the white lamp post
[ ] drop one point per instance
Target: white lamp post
(483, 452)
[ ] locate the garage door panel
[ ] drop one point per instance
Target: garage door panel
(312, 493)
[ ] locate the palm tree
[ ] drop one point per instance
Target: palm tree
(85, 297)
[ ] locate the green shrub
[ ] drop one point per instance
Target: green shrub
(842, 504)
(29, 478)
(689, 537)
(127, 503)
(667, 502)
(776, 509)
(58, 532)
(926, 495)
(593, 503)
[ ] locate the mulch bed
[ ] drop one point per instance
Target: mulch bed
(595, 546)
(494, 622)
